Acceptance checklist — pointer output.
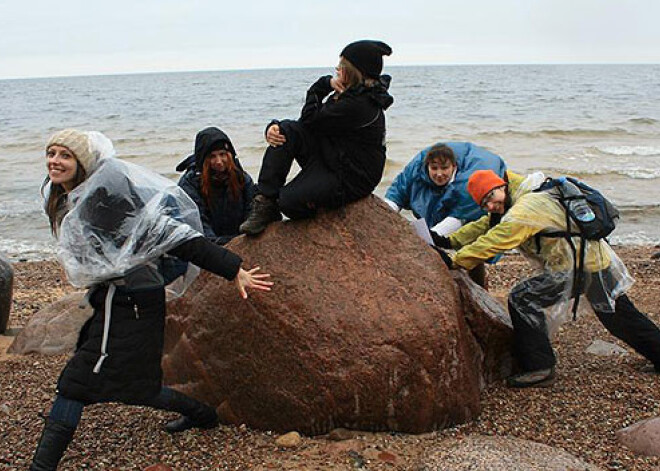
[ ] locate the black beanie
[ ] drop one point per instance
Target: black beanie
(221, 145)
(367, 56)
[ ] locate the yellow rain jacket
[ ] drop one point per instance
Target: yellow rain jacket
(531, 213)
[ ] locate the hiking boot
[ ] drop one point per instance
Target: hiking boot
(52, 444)
(264, 211)
(535, 379)
(184, 423)
(195, 414)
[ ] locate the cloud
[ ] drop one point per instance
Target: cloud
(72, 37)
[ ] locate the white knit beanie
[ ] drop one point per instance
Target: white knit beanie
(78, 143)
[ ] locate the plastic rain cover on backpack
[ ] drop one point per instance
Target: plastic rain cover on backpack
(550, 289)
(123, 216)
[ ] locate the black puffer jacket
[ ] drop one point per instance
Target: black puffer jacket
(222, 218)
(351, 131)
(131, 373)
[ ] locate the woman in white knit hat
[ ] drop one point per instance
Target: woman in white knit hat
(125, 233)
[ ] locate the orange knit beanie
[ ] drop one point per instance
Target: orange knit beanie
(481, 182)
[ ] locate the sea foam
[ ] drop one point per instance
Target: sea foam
(630, 150)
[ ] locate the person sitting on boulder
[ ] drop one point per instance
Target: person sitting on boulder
(516, 216)
(118, 226)
(338, 141)
(434, 186)
(218, 185)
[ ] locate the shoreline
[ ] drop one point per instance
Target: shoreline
(629, 242)
(591, 399)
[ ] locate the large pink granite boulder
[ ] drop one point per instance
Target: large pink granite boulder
(642, 437)
(364, 329)
(484, 453)
(54, 329)
(491, 325)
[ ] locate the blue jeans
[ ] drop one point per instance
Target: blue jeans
(69, 411)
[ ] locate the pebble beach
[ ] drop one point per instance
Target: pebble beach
(592, 398)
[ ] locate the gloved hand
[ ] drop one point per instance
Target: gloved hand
(440, 241)
(445, 257)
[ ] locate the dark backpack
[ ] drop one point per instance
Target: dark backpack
(603, 222)
(606, 214)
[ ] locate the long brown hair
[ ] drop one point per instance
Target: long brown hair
(55, 204)
(353, 75)
(235, 180)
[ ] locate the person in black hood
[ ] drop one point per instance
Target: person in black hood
(338, 141)
(217, 183)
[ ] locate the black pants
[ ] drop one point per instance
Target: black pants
(479, 276)
(532, 346)
(316, 186)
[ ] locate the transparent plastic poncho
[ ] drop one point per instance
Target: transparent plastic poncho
(121, 217)
(550, 289)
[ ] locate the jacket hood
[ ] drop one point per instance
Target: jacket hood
(379, 92)
(205, 140)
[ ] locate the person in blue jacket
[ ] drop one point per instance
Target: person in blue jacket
(434, 186)
(218, 185)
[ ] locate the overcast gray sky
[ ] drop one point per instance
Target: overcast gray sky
(80, 37)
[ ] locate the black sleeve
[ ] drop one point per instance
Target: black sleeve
(223, 239)
(209, 256)
(316, 93)
(333, 117)
(274, 121)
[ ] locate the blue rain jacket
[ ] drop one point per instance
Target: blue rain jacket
(413, 189)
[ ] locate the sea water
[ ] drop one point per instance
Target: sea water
(599, 123)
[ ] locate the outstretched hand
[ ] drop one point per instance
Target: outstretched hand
(251, 279)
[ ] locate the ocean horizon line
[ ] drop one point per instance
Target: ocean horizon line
(312, 67)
